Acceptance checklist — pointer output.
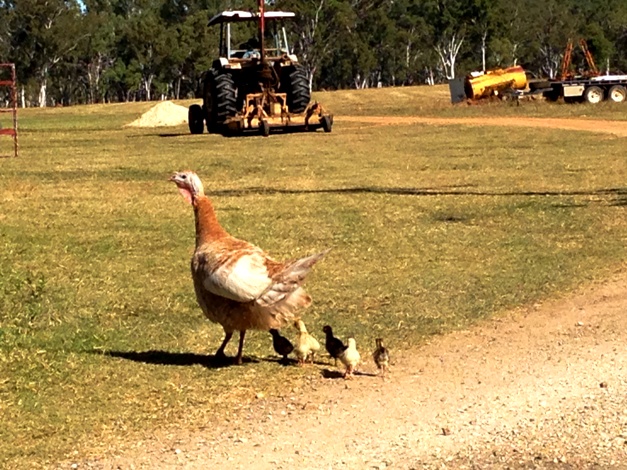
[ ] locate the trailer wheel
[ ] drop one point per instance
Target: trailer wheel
(593, 94)
(264, 128)
(617, 94)
(195, 119)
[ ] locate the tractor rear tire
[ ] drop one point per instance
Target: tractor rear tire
(195, 119)
(219, 99)
(296, 85)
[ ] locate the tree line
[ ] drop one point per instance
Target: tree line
(91, 51)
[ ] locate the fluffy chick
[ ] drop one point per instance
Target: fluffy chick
(282, 345)
(334, 346)
(350, 358)
(381, 357)
(307, 346)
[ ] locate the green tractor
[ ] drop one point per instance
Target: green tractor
(257, 86)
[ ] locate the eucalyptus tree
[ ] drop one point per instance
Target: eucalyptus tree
(315, 32)
(97, 54)
(42, 35)
(448, 23)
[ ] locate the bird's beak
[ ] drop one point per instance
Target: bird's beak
(173, 177)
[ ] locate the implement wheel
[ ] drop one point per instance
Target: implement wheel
(617, 94)
(593, 94)
(264, 128)
(327, 123)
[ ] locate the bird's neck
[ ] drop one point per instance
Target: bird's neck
(207, 226)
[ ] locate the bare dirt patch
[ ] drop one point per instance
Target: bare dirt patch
(617, 128)
(543, 387)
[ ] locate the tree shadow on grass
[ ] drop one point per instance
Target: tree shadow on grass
(611, 196)
(167, 358)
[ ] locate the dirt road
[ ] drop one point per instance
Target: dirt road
(617, 128)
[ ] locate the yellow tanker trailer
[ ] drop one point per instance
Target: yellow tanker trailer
(479, 85)
(493, 82)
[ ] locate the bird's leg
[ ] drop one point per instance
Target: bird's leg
(220, 352)
(238, 358)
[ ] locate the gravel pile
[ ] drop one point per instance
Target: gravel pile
(163, 114)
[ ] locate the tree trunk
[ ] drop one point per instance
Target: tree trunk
(448, 50)
(484, 47)
(42, 93)
(147, 85)
(177, 88)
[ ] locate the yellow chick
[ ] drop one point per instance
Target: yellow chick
(307, 346)
(350, 358)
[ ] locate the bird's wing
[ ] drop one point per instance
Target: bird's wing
(240, 274)
(287, 278)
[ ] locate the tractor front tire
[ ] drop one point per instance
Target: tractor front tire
(195, 119)
(296, 85)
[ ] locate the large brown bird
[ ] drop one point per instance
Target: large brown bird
(237, 284)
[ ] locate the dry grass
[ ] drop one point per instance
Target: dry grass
(432, 228)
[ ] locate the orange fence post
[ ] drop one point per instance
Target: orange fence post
(13, 105)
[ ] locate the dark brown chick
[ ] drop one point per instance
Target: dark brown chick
(334, 346)
(281, 344)
(381, 357)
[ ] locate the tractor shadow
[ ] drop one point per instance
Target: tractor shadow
(167, 358)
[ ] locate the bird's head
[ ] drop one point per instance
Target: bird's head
(379, 342)
(352, 344)
(188, 184)
(327, 329)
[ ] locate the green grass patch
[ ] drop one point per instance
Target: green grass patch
(432, 228)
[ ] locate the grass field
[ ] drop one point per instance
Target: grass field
(432, 228)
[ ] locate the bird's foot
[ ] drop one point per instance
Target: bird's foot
(220, 358)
